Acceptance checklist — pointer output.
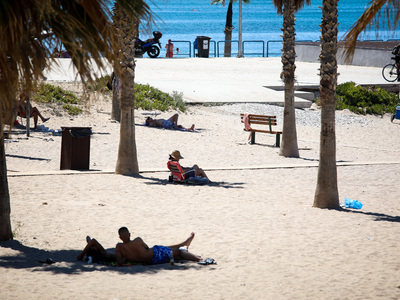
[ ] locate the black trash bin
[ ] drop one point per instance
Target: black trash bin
(75, 148)
(203, 45)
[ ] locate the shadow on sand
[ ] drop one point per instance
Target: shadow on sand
(27, 157)
(377, 216)
(25, 257)
(221, 184)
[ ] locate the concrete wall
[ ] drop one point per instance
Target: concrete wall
(367, 57)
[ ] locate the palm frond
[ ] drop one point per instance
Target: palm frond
(84, 27)
(376, 14)
(299, 4)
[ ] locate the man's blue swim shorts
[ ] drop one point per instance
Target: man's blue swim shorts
(161, 254)
(167, 124)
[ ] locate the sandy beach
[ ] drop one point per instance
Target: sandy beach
(256, 219)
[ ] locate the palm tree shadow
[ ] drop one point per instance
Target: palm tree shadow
(378, 216)
(26, 257)
(273, 146)
(27, 157)
(222, 184)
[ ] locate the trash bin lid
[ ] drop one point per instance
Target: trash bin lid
(74, 127)
(78, 132)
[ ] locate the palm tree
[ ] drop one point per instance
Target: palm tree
(115, 104)
(83, 27)
(289, 147)
(373, 13)
(126, 28)
(228, 25)
(326, 194)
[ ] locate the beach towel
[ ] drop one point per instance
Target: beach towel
(246, 122)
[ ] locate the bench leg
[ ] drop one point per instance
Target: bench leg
(278, 140)
(253, 138)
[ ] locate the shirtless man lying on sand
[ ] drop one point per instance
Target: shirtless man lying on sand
(137, 251)
(171, 123)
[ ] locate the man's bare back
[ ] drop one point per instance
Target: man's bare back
(135, 251)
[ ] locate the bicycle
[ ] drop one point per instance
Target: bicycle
(391, 72)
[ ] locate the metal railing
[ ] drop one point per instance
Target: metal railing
(228, 41)
(273, 41)
(183, 53)
(280, 41)
(252, 53)
(214, 49)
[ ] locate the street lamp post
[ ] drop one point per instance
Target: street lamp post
(240, 52)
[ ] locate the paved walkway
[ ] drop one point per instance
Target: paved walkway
(230, 80)
(157, 170)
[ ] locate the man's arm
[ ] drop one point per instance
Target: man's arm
(20, 106)
(118, 251)
(143, 244)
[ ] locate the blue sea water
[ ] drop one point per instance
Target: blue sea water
(184, 20)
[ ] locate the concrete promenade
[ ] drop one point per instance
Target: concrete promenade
(230, 80)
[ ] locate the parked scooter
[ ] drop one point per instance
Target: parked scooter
(149, 46)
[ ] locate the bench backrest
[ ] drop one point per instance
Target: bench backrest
(261, 119)
(177, 173)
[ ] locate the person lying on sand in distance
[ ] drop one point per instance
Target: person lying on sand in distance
(171, 123)
(137, 251)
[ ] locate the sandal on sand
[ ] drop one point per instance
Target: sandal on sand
(48, 261)
(207, 261)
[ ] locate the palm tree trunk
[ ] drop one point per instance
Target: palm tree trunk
(326, 194)
(228, 31)
(289, 147)
(115, 107)
(127, 162)
(5, 208)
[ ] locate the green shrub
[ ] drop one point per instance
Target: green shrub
(72, 109)
(150, 98)
(146, 96)
(48, 93)
(370, 100)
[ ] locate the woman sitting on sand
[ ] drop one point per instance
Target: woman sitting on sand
(197, 172)
(33, 111)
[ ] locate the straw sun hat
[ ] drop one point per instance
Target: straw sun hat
(176, 154)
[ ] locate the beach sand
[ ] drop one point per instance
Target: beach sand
(256, 219)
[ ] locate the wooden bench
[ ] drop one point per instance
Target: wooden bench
(262, 120)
